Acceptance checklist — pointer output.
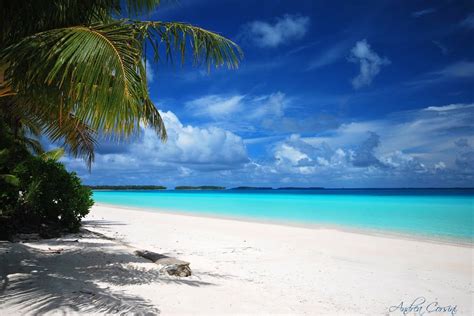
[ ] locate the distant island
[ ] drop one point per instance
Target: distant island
(282, 188)
(202, 187)
(126, 187)
(300, 188)
(252, 188)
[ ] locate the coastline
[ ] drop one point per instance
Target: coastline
(342, 228)
(238, 267)
(266, 268)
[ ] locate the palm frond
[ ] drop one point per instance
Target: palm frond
(78, 138)
(22, 18)
(174, 37)
(73, 82)
(135, 7)
(54, 154)
(10, 179)
(33, 145)
(93, 72)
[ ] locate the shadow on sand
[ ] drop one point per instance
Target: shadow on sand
(73, 274)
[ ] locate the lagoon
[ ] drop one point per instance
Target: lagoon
(433, 213)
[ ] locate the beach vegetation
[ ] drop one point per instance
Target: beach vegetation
(37, 193)
(69, 72)
(73, 70)
(202, 187)
(127, 187)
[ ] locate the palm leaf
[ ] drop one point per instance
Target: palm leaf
(22, 18)
(174, 37)
(74, 82)
(93, 72)
(54, 154)
(10, 179)
(77, 137)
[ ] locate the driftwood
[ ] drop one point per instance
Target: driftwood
(169, 265)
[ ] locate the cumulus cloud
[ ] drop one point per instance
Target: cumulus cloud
(401, 162)
(364, 156)
(284, 29)
(428, 133)
(369, 61)
(430, 147)
(188, 149)
(296, 156)
(191, 145)
(465, 155)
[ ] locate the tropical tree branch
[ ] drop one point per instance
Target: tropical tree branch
(95, 74)
(206, 46)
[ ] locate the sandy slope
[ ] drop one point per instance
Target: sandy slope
(239, 267)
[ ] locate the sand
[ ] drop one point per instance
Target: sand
(238, 268)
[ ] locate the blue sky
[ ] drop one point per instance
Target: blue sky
(333, 94)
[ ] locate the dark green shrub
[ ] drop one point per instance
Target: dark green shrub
(50, 195)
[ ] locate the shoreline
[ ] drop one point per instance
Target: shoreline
(238, 267)
(341, 228)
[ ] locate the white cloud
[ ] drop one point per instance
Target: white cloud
(430, 147)
(150, 74)
(428, 134)
(369, 61)
(449, 107)
(240, 112)
(462, 69)
(268, 106)
(459, 70)
(285, 29)
(216, 106)
(423, 147)
(191, 145)
(188, 149)
(286, 152)
(259, 113)
(329, 56)
(440, 165)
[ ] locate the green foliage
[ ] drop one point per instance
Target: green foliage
(11, 153)
(37, 194)
(49, 194)
(70, 70)
(73, 69)
(54, 154)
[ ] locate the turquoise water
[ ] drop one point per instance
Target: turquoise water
(433, 213)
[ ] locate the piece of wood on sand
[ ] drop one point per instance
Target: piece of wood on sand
(169, 265)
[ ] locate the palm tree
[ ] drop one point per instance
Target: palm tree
(74, 69)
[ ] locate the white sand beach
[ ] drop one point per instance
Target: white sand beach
(238, 268)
